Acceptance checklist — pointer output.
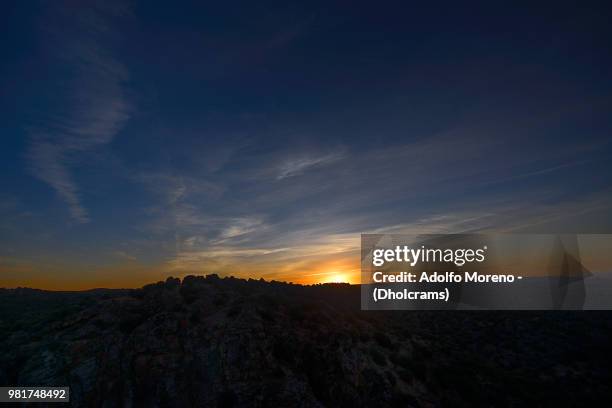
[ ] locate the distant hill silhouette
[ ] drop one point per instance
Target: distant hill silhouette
(207, 341)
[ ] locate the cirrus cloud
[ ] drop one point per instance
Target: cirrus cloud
(91, 106)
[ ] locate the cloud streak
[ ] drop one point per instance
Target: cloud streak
(91, 106)
(296, 166)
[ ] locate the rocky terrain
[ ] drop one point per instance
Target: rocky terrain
(228, 342)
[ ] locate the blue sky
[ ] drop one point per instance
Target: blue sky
(143, 140)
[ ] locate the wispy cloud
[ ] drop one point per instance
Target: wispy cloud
(91, 107)
(239, 227)
(298, 165)
(287, 214)
(312, 226)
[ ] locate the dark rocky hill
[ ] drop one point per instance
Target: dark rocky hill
(214, 342)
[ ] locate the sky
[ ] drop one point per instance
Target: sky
(142, 140)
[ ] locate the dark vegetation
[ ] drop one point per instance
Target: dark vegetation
(228, 342)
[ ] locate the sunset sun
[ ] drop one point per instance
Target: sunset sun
(336, 277)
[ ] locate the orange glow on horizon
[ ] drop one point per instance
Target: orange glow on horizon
(335, 277)
(304, 270)
(342, 270)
